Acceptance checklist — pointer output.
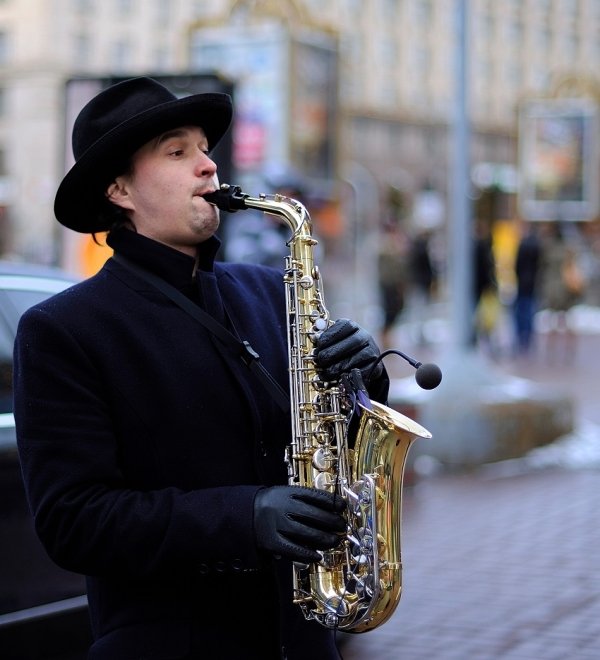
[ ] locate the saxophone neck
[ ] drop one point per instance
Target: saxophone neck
(291, 211)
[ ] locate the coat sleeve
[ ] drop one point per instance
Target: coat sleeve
(88, 518)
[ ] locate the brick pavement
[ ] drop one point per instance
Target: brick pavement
(496, 568)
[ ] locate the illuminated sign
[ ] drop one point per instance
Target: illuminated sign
(559, 169)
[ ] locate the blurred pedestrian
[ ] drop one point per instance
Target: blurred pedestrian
(422, 277)
(486, 301)
(525, 304)
(562, 287)
(392, 272)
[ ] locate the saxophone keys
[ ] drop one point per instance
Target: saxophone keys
(306, 282)
(324, 460)
(324, 481)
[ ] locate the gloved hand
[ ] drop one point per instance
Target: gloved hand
(345, 346)
(294, 522)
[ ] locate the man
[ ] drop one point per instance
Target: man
(152, 456)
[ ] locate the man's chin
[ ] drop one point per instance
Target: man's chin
(206, 227)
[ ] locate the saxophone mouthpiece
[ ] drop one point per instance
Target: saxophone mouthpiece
(228, 198)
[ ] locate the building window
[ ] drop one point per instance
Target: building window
(389, 51)
(83, 6)
(120, 55)
(544, 39)
(514, 75)
(200, 8)
(424, 13)
(124, 7)
(83, 50)
(571, 8)
(161, 58)
(516, 35)
(163, 11)
(390, 9)
(4, 47)
(422, 62)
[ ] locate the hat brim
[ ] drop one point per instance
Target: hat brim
(80, 194)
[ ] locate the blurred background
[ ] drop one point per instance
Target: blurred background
(397, 123)
(354, 100)
(447, 151)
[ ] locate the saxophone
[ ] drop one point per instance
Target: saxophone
(356, 586)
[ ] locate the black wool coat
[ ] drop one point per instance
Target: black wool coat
(143, 442)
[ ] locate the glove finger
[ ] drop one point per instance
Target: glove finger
(314, 517)
(324, 522)
(294, 551)
(320, 498)
(327, 356)
(360, 361)
(337, 332)
(310, 538)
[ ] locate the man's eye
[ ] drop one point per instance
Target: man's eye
(176, 152)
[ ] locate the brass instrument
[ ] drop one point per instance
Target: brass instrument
(356, 586)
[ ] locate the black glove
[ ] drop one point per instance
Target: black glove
(345, 346)
(294, 522)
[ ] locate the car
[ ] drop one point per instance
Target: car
(43, 608)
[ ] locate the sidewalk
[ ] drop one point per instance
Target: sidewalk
(504, 562)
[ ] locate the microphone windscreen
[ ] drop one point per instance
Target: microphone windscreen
(428, 376)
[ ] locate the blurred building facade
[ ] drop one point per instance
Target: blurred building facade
(394, 86)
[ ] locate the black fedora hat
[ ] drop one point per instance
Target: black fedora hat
(112, 126)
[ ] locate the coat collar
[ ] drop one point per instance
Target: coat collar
(170, 264)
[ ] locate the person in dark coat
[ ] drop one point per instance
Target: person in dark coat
(485, 287)
(525, 305)
(422, 280)
(153, 458)
(392, 278)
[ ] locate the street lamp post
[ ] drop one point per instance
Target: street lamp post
(461, 262)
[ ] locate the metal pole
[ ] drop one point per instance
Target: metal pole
(461, 255)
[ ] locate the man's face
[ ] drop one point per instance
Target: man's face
(162, 193)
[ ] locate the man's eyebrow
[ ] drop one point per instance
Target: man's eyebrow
(175, 133)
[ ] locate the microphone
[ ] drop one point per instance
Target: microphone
(428, 376)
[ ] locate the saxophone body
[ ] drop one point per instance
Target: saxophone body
(356, 587)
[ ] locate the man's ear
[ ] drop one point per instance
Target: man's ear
(117, 194)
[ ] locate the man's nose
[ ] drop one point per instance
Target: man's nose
(206, 166)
